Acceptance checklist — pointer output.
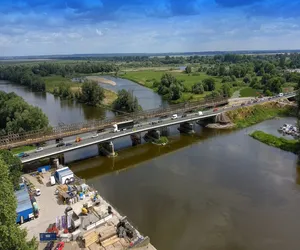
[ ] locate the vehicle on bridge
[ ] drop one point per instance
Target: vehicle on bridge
(39, 149)
(78, 139)
(61, 144)
(123, 126)
(175, 116)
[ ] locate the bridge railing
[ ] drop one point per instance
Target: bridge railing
(79, 128)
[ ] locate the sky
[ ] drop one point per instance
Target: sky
(45, 27)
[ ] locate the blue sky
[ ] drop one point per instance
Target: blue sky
(37, 27)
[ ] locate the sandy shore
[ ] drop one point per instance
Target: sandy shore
(101, 80)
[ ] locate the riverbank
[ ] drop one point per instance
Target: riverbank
(248, 116)
(101, 80)
(277, 142)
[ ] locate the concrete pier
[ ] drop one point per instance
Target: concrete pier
(136, 139)
(107, 149)
(152, 135)
(186, 128)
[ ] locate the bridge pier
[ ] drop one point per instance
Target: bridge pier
(107, 149)
(152, 135)
(61, 159)
(186, 128)
(136, 139)
(164, 131)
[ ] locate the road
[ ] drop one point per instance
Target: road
(142, 127)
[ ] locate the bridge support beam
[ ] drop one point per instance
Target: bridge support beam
(136, 139)
(186, 128)
(107, 149)
(152, 135)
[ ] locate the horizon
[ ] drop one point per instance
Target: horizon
(179, 53)
(38, 28)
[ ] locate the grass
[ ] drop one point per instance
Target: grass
(22, 149)
(147, 77)
(55, 81)
(110, 96)
(248, 92)
(247, 116)
(277, 142)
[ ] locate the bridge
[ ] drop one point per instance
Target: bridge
(34, 137)
(143, 127)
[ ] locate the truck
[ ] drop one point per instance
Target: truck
(120, 126)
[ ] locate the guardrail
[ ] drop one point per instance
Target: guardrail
(16, 140)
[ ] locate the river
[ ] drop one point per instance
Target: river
(213, 190)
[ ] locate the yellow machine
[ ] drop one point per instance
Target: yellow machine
(84, 210)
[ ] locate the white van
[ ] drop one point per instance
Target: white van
(52, 180)
(175, 116)
(280, 95)
(200, 113)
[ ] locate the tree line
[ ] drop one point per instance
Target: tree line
(11, 235)
(18, 116)
(31, 75)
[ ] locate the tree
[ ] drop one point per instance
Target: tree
(14, 166)
(226, 90)
(91, 93)
(170, 87)
(188, 69)
(126, 102)
(247, 79)
(198, 88)
(12, 237)
(20, 116)
(209, 84)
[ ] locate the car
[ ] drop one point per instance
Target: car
(215, 109)
(68, 144)
(39, 149)
(25, 155)
(200, 113)
(95, 135)
(159, 121)
(184, 115)
(37, 192)
(49, 245)
(154, 122)
(60, 144)
(60, 246)
(175, 116)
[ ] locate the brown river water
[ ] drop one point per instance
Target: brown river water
(213, 190)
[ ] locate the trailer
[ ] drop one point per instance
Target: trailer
(24, 206)
(64, 175)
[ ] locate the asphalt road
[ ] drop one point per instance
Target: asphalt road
(50, 150)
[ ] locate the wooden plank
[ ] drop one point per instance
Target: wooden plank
(111, 242)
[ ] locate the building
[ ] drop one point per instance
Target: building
(24, 205)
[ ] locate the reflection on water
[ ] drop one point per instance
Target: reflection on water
(216, 190)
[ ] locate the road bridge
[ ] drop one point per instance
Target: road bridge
(16, 140)
(110, 136)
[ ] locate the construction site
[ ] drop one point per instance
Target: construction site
(75, 215)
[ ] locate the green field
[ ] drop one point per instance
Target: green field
(248, 92)
(55, 81)
(147, 77)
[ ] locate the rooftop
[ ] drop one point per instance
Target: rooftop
(23, 200)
